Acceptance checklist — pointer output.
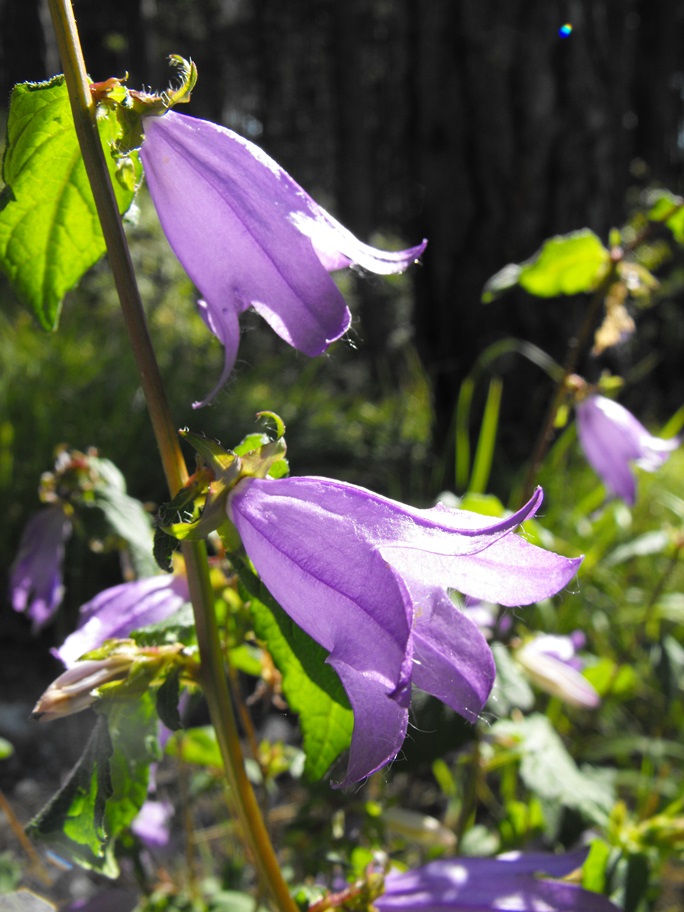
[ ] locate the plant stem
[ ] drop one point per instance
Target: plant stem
(212, 661)
(576, 348)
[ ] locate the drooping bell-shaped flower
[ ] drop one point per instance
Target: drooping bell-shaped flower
(552, 663)
(612, 439)
(115, 612)
(249, 236)
(367, 578)
(507, 883)
(36, 585)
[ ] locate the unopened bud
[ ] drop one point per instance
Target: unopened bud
(76, 689)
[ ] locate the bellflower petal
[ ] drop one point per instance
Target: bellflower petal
(452, 659)
(36, 575)
(153, 822)
(366, 577)
(553, 665)
(507, 883)
(115, 612)
(612, 438)
(249, 236)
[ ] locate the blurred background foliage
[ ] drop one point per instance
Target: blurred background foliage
(471, 123)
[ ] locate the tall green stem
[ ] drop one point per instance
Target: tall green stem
(213, 669)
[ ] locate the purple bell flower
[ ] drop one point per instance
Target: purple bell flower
(153, 823)
(115, 612)
(612, 438)
(367, 578)
(36, 585)
(552, 663)
(507, 883)
(249, 236)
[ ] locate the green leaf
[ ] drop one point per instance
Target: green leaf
(178, 628)
(167, 701)
(311, 688)
(197, 746)
(502, 281)
(566, 265)
(549, 771)
(50, 234)
(482, 464)
(6, 749)
(114, 519)
(595, 867)
(133, 730)
(106, 789)
(125, 518)
(73, 821)
(669, 209)
(511, 689)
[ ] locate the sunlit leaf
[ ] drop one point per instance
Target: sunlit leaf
(133, 730)
(197, 746)
(50, 234)
(566, 265)
(502, 281)
(6, 749)
(669, 209)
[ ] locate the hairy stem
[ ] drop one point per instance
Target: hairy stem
(212, 661)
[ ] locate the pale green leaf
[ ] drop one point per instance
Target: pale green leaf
(566, 265)
(548, 770)
(50, 234)
(106, 789)
(505, 278)
(73, 821)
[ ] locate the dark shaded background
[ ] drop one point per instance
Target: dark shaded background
(470, 122)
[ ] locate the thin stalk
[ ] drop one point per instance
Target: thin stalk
(212, 660)
(576, 348)
(23, 840)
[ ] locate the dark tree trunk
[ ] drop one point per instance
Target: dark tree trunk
(470, 122)
(520, 134)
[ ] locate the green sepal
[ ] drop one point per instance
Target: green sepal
(311, 687)
(50, 234)
(200, 507)
(129, 106)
